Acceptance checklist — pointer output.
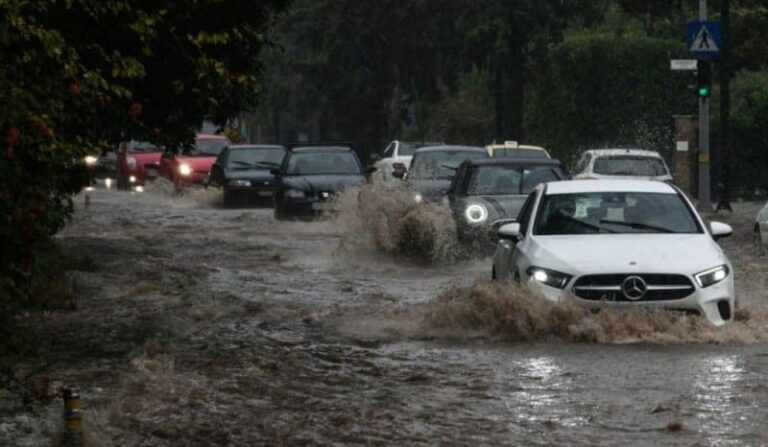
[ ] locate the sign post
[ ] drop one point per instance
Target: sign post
(704, 41)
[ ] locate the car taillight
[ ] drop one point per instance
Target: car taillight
(398, 167)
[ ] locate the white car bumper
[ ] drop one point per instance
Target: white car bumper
(716, 303)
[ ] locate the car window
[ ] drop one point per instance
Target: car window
(583, 164)
(250, 158)
(524, 216)
(407, 149)
(495, 180)
(615, 212)
(629, 165)
(519, 153)
(537, 175)
(323, 163)
(440, 164)
(207, 147)
(145, 146)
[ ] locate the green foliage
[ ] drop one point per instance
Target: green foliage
(599, 88)
(750, 134)
(79, 75)
(465, 117)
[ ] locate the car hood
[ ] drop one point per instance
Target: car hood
(629, 253)
(430, 187)
(499, 207)
(199, 164)
(326, 183)
(249, 174)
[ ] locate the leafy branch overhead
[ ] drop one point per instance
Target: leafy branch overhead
(80, 75)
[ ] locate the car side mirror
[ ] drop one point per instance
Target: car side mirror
(720, 230)
(509, 231)
(398, 174)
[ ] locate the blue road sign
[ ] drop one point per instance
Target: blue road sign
(704, 39)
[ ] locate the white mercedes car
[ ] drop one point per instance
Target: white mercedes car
(619, 243)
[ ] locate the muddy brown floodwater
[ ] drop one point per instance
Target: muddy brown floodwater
(212, 326)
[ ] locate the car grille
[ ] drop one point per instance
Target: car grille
(659, 287)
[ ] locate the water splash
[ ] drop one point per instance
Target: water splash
(384, 218)
(515, 313)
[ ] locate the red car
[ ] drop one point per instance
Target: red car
(137, 162)
(192, 166)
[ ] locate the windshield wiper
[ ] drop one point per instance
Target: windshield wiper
(637, 225)
(597, 228)
(267, 163)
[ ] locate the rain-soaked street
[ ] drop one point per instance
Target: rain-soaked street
(211, 326)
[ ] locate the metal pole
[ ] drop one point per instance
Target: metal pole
(725, 111)
(705, 202)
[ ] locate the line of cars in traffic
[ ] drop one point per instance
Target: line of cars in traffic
(618, 234)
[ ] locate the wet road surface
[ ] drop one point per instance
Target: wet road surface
(212, 326)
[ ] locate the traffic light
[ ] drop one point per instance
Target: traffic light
(704, 80)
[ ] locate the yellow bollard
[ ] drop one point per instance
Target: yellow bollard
(73, 419)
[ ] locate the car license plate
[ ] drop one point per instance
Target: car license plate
(151, 172)
(266, 193)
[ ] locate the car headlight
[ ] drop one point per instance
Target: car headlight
(418, 198)
(712, 276)
(132, 179)
(185, 169)
(90, 160)
(131, 162)
(239, 183)
(549, 277)
(295, 194)
(476, 213)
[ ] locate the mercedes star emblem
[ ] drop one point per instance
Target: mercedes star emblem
(634, 288)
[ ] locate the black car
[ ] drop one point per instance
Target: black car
(244, 172)
(311, 175)
(433, 168)
(486, 191)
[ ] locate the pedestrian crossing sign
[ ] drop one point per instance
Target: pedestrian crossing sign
(704, 39)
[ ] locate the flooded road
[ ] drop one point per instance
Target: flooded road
(212, 326)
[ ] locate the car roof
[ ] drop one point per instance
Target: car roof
(514, 161)
(306, 149)
(636, 152)
(617, 185)
(511, 147)
(450, 149)
(255, 146)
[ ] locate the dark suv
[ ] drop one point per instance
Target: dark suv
(487, 190)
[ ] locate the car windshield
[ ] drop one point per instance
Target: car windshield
(319, 163)
(630, 165)
(614, 212)
(145, 146)
(440, 164)
(508, 180)
(208, 147)
(519, 153)
(256, 157)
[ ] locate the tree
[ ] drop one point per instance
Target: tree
(78, 75)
